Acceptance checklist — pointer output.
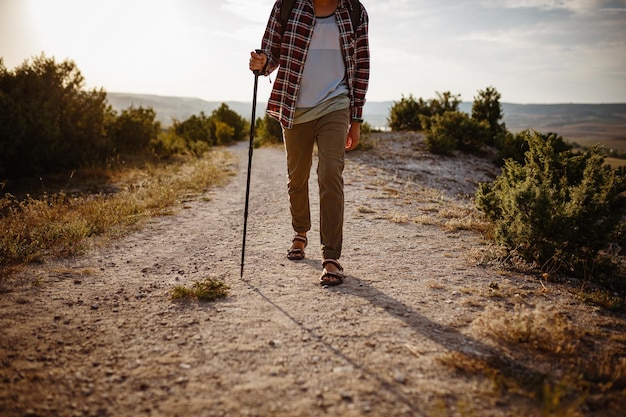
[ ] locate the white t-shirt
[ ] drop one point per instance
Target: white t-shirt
(324, 75)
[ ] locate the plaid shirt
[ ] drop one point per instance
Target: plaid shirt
(287, 50)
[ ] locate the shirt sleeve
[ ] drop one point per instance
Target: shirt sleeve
(272, 39)
(362, 73)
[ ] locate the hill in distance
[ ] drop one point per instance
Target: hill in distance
(585, 124)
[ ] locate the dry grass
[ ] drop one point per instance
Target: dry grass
(537, 329)
(59, 225)
(540, 354)
(452, 217)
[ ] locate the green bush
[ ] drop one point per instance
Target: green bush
(267, 131)
(198, 148)
(48, 123)
(196, 128)
(557, 209)
(168, 144)
(405, 114)
(408, 113)
(486, 107)
(134, 130)
(223, 115)
(223, 127)
(445, 102)
(515, 146)
(454, 130)
(224, 133)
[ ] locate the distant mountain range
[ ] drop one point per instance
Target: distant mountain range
(576, 122)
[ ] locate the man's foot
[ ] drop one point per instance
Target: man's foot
(296, 251)
(332, 274)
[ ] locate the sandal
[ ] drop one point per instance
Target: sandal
(331, 278)
(297, 254)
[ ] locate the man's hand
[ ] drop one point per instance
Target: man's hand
(257, 61)
(354, 136)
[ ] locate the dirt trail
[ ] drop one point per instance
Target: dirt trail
(101, 337)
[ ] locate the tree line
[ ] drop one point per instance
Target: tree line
(49, 123)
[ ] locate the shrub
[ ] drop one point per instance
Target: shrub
(558, 209)
(196, 128)
(134, 129)
(168, 144)
(454, 130)
(47, 119)
(223, 127)
(445, 102)
(223, 115)
(486, 107)
(405, 114)
(515, 146)
(267, 131)
(198, 148)
(224, 133)
(410, 114)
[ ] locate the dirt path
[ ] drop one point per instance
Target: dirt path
(101, 337)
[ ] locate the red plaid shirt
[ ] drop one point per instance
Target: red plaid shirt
(287, 50)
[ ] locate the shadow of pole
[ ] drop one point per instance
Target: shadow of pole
(389, 387)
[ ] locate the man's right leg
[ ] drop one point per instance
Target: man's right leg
(299, 143)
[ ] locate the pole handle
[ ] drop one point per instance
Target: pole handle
(258, 51)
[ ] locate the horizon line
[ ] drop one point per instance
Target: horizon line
(558, 103)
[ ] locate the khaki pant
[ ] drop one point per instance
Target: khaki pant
(329, 132)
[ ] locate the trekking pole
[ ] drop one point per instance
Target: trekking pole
(250, 148)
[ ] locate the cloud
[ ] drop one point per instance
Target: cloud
(575, 6)
(525, 47)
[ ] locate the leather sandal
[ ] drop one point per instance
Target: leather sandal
(331, 278)
(297, 254)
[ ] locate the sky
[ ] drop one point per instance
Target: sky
(531, 51)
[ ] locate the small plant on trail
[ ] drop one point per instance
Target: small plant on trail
(558, 209)
(206, 290)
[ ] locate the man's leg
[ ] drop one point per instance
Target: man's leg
(332, 131)
(299, 143)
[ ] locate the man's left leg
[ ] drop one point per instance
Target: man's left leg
(332, 131)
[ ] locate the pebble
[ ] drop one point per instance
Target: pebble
(400, 378)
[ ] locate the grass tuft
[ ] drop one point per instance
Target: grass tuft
(206, 290)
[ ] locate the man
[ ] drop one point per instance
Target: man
(318, 97)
